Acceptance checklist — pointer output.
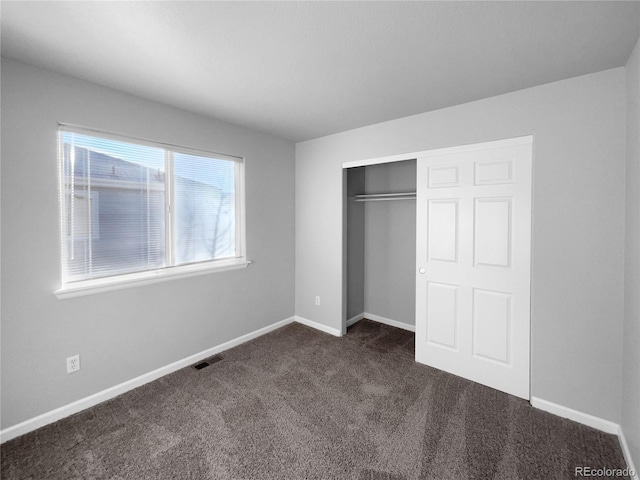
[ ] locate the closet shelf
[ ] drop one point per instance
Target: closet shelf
(378, 197)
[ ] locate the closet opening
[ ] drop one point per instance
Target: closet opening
(380, 249)
(467, 234)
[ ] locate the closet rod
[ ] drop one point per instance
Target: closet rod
(377, 197)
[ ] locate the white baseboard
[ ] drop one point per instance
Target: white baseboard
(318, 326)
(379, 319)
(355, 319)
(627, 454)
(388, 321)
(87, 402)
(580, 417)
(591, 421)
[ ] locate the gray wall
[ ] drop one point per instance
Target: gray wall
(390, 243)
(381, 243)
(125, 333)
(631, 350)
(578, 222)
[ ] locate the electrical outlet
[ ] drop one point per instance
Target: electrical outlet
(317, 300)
(73, 364)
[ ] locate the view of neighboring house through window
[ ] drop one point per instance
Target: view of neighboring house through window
(133, 206)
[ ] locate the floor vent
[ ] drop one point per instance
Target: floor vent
(207, 361)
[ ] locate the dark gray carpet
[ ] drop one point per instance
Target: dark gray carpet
(299, 404)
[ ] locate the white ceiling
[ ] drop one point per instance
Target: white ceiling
(301, 70)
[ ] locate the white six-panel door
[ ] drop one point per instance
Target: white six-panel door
(473, 262)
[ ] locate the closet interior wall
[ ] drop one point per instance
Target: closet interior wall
(381, 243)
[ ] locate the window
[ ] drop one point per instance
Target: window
(133, 210)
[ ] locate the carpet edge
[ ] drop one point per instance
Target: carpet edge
(598, 423)
(626, 452)
(592, 421)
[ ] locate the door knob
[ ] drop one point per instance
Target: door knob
(422, 271)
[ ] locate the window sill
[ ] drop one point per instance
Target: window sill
(107, 284)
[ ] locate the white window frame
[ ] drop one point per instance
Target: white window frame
(171, 271)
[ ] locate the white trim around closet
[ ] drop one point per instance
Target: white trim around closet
(526, 139)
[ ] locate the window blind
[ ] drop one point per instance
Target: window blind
(204, 208)
(130, 207)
